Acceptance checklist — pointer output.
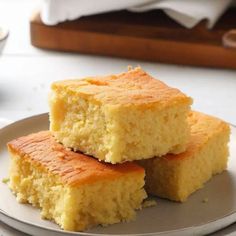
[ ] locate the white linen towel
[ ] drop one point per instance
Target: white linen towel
(186, 12)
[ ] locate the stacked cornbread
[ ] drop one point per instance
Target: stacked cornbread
(120, 118)
(74, 190)
(177, 176)
(106, 134)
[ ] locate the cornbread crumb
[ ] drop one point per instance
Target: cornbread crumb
(177, 176)
(5, 180)
(74, 190)
(149, 203)
(205, 200)
(119, 118)
(129, 67)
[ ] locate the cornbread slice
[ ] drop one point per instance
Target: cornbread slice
(177, 176)
(117, 118)
(74, 190)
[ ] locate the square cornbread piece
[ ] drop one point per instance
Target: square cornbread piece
(74, 190)
(117, 118)
(177, 176)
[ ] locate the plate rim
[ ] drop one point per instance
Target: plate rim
(170, 232)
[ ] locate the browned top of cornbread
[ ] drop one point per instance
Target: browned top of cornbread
(133, 87)
(203, 127)
(74, 168)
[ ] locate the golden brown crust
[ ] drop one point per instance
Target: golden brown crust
(74, 168)
(203, 127)
(133, 87)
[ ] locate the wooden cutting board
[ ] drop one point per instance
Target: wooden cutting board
(148, 36)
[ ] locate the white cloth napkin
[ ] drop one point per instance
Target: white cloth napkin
(186, 12)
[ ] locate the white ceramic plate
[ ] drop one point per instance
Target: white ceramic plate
(167, 218)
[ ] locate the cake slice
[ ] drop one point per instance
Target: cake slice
(74, 190)
(118, 118)
(177, 176)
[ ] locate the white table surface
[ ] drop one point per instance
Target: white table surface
(26, 74)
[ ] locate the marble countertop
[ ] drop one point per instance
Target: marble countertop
(26, 74)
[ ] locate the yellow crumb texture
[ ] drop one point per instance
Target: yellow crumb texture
(118, 118)
(74, 190)
(177, 176)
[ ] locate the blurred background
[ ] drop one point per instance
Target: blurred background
(171, 45)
